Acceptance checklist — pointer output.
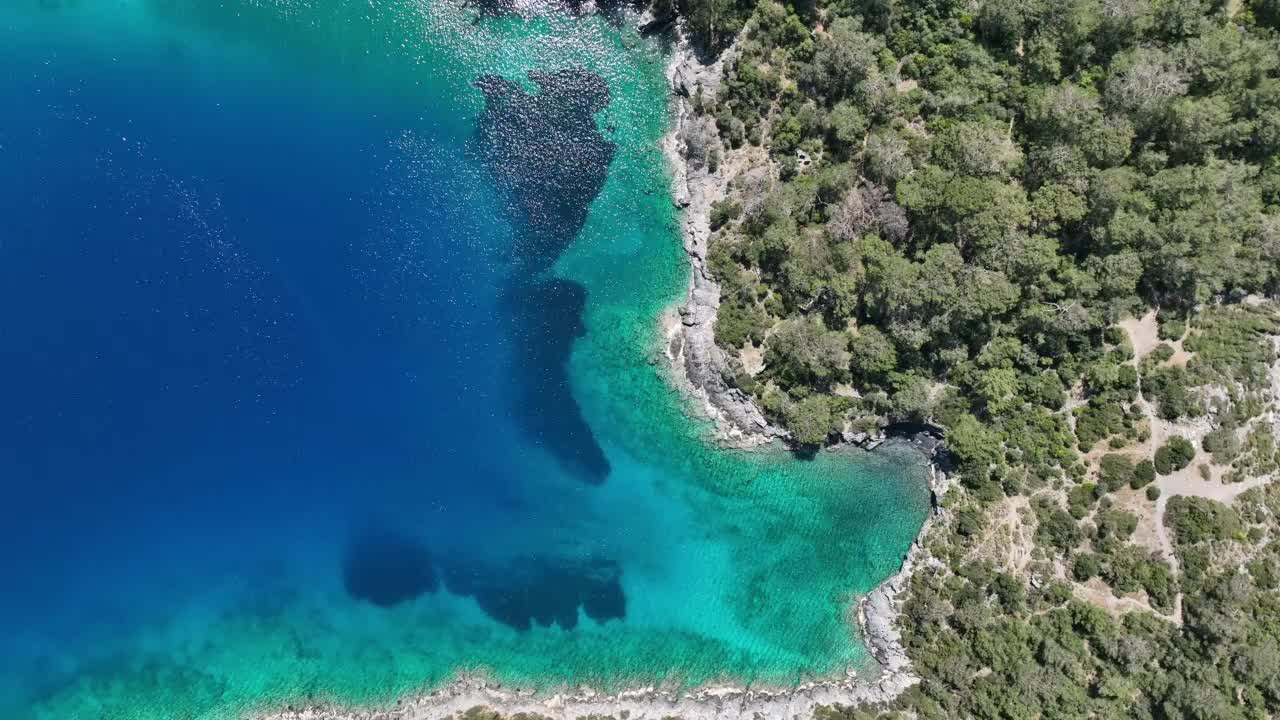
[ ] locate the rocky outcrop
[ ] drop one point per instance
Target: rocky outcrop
(880, 609)
(707, 703)
(700, 365)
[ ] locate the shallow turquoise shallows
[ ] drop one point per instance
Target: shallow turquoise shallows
(329, 368)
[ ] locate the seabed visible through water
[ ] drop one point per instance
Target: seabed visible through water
(328, 373)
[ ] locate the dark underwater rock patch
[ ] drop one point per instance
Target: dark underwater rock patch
(547, 156)
(541, 592)
(386, 568)
(550, 161)
(546, 318)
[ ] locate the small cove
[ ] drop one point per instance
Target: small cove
(264, 294)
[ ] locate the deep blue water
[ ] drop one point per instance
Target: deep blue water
(224, 314)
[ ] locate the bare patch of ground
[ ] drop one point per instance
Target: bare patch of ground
(845, 390)
(1143, 333)
(1008, 540)
(1096, 592)
(752, 358)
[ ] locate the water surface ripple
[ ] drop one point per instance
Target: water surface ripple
(328, 371)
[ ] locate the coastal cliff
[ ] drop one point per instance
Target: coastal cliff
(699, 365)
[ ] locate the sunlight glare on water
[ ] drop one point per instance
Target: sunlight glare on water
(329, 369)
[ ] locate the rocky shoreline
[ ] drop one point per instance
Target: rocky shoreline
(699, 368)
(699, 364)
(876, 615)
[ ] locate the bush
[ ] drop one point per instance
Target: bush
(1115, 471)
(1194, 520)
(1085, 567)
(1143, 473)
(1174, 455)
(1153, 493)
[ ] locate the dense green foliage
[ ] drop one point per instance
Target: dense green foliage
(961, 203)
(966, 200)
(990, 646)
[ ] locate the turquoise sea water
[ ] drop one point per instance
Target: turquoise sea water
(326, 377)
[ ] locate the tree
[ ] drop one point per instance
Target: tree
(1055, 528)
(848, 125)
(1143, 474)
(973, 445)
(888, 157)
(971, 148)
(843, 57)
(804, 351)
(1085, 566)
(811, 420)
(1115, 471)
(716, 20)
(1143, 82)
(872, 354)
(998, 390)
(1195, 520)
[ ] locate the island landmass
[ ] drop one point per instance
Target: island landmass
(1052, 231)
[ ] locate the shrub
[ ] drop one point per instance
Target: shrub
(1115, 471)
(1143, 473)
(1086, 566)
(1195, 519)
(1174, 455)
